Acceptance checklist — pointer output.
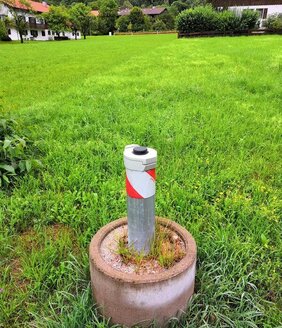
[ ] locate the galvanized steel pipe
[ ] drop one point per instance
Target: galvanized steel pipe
(140, 163)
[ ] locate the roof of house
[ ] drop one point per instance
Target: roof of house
(146, 11)
(153, 10)
(35, 6)
(229, 3)
(94, 13)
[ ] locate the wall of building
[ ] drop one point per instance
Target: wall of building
(271, 9)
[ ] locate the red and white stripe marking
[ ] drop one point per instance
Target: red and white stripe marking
(140, 184)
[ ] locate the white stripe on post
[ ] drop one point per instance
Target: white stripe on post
(143, 183)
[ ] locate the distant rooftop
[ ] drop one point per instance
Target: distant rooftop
(35, 6)
(94, 13)
(146, 11)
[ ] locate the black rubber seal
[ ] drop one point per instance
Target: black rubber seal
(140, 150)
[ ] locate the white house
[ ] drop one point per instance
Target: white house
(36, 27)
(264, 7)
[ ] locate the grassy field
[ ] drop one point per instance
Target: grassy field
(212, 109)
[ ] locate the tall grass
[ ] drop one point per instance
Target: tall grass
(212, 109)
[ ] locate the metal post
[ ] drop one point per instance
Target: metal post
(140, 163)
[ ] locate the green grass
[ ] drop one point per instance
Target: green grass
(212, 109)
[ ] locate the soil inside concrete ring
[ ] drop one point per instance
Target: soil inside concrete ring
(109, 251)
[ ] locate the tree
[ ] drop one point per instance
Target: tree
(93, 28)
(126, 4)
(94, 4)
(80, 18)
(147, 23)
(159, 25)
(3, 31)
(122, 23)
(107, 17)
(180, 5)
(18, 19)
(57, 19)
(137, 20)
(168, 19)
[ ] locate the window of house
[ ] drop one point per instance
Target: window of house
(262, 13)
(77, 34)
(32, 20)
(9, 31)
(3, 17)
(53, 33)
(43, 33)
(49, 32)
(34, 33)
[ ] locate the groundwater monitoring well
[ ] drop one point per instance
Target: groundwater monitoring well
(142, 267)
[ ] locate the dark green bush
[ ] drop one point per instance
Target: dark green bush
(148, 23)
(168, 19)
(6, 38)
(228, 21)
(202, 19)
(199, 19)
(137, 19)
(3, 32)
(122, 23)
(249, 19)
(159, 25)
(274, 22)
(14, 159)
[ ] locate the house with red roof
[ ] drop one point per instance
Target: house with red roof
(36, 26)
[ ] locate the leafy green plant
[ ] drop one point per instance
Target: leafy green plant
(13, 153)
(274, 22)
(249, 19)
(122, 23)
(228, 21)
(159, 25)
(199, 19)
(137, 20)
(3, 31)
(205, 18)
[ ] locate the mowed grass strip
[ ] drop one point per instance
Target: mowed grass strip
(212, 109)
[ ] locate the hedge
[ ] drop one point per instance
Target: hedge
(205, 18)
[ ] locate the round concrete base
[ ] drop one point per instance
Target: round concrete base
(131, 298)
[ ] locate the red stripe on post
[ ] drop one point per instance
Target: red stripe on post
(152, 173)
(131, 192)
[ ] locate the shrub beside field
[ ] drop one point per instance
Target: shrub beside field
(205, 18)
(212, 109)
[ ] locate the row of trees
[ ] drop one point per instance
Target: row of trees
(137, 21)
(70, 15)
(95, 4)
(108, 20)
(76, 18)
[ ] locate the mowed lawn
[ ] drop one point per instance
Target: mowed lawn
(212, 109)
